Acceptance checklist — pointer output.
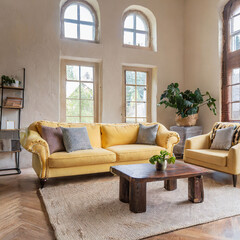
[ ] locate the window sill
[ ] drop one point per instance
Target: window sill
(80, 40)
(137, 47)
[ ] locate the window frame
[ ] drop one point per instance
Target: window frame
(95, 23)
(96, 87)
(149, 39)
(230, 61)
(149, 92)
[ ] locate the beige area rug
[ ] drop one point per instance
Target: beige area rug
(91, 210)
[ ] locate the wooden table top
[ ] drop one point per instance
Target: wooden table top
(147, 172)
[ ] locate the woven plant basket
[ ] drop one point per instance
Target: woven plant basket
(188, 121)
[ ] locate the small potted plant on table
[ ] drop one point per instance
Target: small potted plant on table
(162, 160)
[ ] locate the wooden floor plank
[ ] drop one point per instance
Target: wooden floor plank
(23, 215)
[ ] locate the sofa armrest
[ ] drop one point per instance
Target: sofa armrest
(198, 142)
(34, 143)
(234, 159)
(167, 139)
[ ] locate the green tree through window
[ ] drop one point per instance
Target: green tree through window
(79, 94)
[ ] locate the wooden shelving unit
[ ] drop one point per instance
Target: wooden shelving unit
(2, 109)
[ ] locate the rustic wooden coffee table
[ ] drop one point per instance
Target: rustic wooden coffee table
(134, 178)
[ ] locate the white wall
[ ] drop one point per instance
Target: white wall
(30, 38)
(203, 52)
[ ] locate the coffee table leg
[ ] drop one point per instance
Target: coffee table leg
(170, 185)
(195, 189)
(137, 196)
(124, 190)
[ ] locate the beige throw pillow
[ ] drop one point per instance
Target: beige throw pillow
(223, 138)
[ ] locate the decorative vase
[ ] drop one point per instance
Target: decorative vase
(161, 166)
(188, 121)
(16, 84)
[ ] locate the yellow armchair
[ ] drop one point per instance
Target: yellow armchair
(197, 151)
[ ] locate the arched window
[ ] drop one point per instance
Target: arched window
(79, 21)
(136, 31)
(231, 62)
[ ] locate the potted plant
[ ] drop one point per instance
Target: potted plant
(10, 81)
(187, 103)
(162, 160)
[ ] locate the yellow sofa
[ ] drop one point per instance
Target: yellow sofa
(197, 151)
(113, 144)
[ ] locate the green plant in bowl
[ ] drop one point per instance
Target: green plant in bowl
(162, 159)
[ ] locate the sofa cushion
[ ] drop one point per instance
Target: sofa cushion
(147, 134)
(134, 152)
(54, 138)
(119, 134)
(81, 158)
(76, 139)
(93, 129)
(216, 157)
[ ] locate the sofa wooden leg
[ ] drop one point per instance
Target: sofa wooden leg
(42, 182)
(234, 180)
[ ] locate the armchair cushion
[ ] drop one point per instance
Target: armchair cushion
(215, 157)
(223, 139)
(221, 125)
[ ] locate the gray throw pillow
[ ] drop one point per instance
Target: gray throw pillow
(147, 134)
(223, 138)
(76, 139)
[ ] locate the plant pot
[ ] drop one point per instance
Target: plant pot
(188, 121)
(16, 84)
(161, 166)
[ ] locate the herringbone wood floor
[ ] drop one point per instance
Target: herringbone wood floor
(23, 217)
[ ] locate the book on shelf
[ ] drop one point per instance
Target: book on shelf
(13, 102)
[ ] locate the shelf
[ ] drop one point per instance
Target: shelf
(12, 88)
(13, 133)
(10, 151)
(10, 129)
(18, 171)
(11, 107)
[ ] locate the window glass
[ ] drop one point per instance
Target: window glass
(71, 12)
(80, 94)
(235, 94)
(129, 22)
(136, 96)
(136, 30)
(140, 25)
(86, 32)
(85, 14)
(79, 22)
(236, 23)
(70, 30)
(141, 39)
(235, 111)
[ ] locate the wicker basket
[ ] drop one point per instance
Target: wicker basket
(188, 121)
